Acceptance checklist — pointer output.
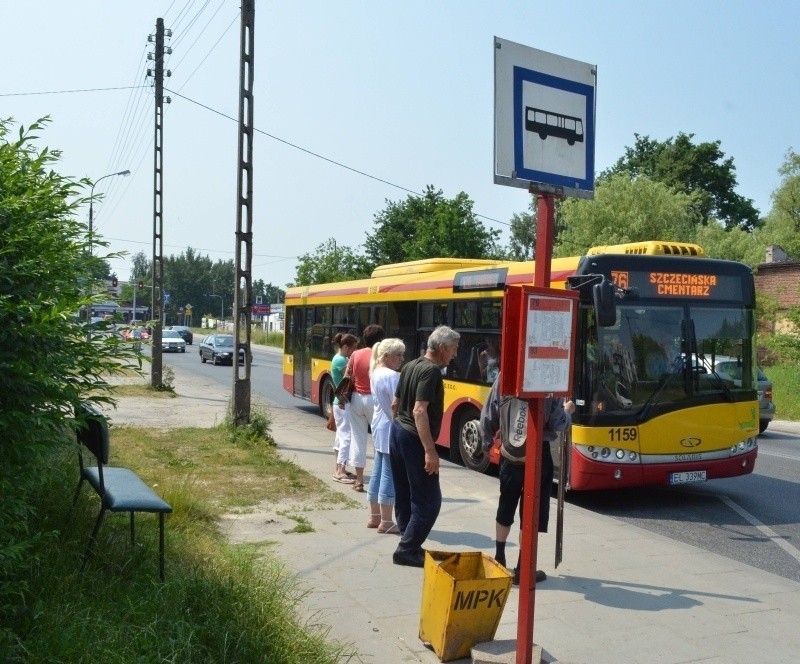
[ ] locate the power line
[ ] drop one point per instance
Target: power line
(210, 51)
(64, 92)
(319, 156)
(260, 131)
(212, 251)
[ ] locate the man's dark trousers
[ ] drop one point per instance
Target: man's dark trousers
(418, 496)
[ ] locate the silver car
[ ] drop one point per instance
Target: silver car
(172, 342)
(731, 367)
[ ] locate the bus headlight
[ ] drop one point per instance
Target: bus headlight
(607, 454)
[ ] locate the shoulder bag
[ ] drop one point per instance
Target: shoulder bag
(344, 389)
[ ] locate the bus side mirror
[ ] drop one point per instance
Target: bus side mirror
(605, 309)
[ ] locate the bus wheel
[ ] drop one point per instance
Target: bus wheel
(470, 441)
(326, 397)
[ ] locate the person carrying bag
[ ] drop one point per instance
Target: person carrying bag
(344, 390)
(346, 344)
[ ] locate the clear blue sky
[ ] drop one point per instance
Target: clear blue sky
(402, 91)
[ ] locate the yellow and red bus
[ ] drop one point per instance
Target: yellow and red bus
(650, 407)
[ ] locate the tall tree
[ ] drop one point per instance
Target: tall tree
(522, 240)
(429, 226)
(270, 293)
(625, 210)
(330, 262)
(141, 266)
(700, 169)
(735, 244)
(782, 225)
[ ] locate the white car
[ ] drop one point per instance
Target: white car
(173, 342)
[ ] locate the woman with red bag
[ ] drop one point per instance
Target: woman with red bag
(347, 343)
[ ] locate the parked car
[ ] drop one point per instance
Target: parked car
(171, 341)
(219, 349)
(732, 368)
(185, 332)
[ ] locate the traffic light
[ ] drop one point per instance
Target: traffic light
(141, 285)
(114, 282)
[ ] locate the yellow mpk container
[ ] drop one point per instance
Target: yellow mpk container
(463, 596)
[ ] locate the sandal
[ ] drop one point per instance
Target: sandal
(352, 476)
(391, 529)
(343, 480)
(358, 486)
(374, 520)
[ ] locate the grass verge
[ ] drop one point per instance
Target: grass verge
(219, 603)
(786, 390)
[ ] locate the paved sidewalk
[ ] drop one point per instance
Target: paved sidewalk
(622, 594)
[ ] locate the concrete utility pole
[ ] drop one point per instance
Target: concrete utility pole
(243, 292)
(158, 244)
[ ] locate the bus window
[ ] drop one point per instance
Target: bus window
(363, 318)
(490, 315)
(320, 341)
(379, 316)
(323, 315)
(402, 323)
(489, 359)
(433, 314)
(345, 316)
(466, 315)
(720, 333)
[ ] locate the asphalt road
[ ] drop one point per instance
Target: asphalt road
(753, 519)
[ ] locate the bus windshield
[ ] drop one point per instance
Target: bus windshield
(642, 365)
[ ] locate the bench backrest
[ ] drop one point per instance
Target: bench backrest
(94, 433)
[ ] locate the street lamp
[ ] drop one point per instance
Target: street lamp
(91, 220)
(91, 203)
(221, 305)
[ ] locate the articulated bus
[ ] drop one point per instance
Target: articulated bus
(650, 408)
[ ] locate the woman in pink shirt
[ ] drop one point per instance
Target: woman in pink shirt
(361, 404)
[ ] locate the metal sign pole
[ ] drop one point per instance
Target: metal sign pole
(529, 534)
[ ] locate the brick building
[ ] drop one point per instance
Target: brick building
(779, 278)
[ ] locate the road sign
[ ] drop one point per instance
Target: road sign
(260, 310)
(544, 121)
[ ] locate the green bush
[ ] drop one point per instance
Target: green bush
(51, 359)
(781, 349)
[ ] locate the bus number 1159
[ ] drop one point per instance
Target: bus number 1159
(626, 434)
